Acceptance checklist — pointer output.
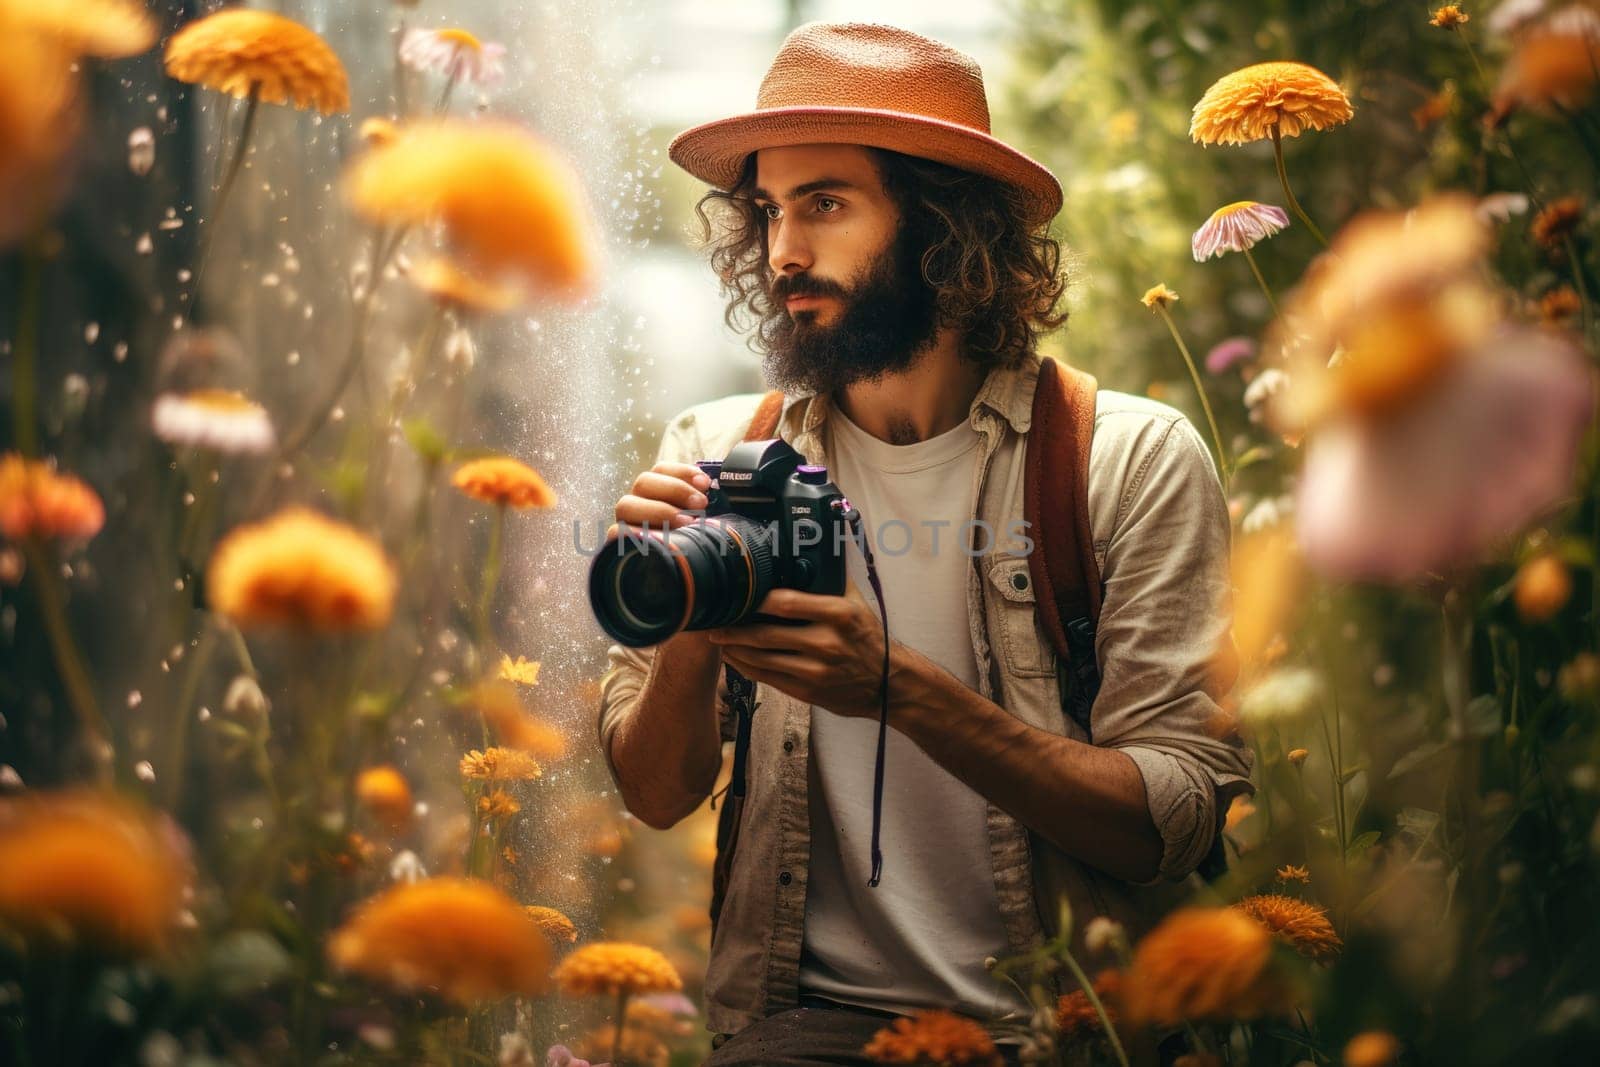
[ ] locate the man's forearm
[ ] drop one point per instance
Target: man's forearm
(1087, 800)
(667, 752)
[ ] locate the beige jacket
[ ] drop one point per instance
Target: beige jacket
(1161, 538)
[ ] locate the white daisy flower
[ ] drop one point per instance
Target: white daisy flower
(455, 53)
(1237, 227)
(213, 418)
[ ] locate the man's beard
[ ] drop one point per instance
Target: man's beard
(888, 318)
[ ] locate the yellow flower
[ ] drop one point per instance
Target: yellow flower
(504, 481)
(1075, 1015)
(555, 925)
(377, 131)
(239, 52)
(84, 867)
(462, 938)
(1543, 587)
(108, 29)
(384, 792)
(499, 765)
(1289, 872)
(1158, 296)
(299, 568)
(933, 1036)
(1449, 16)
(1299, 923)
(1298, 756)
(1201, 963)
(519, 671)
(451, 284)
(1249, 103)
(509, 202)
(1371, 1048)
(497, 804)
(37, 502)
(502, 709)
(607, 968)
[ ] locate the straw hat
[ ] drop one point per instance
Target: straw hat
(867, 84)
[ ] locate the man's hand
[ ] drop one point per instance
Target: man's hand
(834, 662)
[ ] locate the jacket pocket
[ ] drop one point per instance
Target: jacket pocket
(1013, 625)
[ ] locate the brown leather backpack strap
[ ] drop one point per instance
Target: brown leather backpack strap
(765, 424)
(1066, 579)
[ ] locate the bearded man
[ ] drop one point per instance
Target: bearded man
(894, 259)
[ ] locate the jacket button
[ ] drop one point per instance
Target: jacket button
(788, 746)
(1019, 581)
(785, 878)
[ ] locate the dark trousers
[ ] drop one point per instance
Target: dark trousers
(806, 1036)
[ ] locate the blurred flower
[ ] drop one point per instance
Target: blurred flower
(1580, 678)
(562, 1056)
(502, 709)
(1267, 513)
(1511, 15)
(1550, 69)
(40, 114)
(1075, 1015)
(243, 52)
(1543, 587)
(1283, 695)
(301, 569)
(1236, 227)
(1158, 296)
(1559, 219)
(520, 671)
(1559, 305)
(1372, 1048)
(555, 925)
(91, 868)
(497, 804)
(1436, 108)
(462, 938)
(1202, 963)
(609, 968)
(499, 765)
(508, 202)
(1267, 575)
(1297, 922)
(1239, 809)
(933, 1036)
(503, 481)
(638, 1048)
(383, 791)
(1579, 19)
(1102, 934)
(1247, 104)
(198, 357)
(378, 131)
(38, 502)
(1289, 872)
(455, 53)
(1449, 17)
(107, 29)
(218, 419)
(450, 284)
(1298, 756)
(515, 1051)
(1228, 353)
(244, 698)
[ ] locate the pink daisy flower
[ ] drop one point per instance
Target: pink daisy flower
(1237, 227)
(455, 53)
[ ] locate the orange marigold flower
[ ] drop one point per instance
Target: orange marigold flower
(639, 1046)
(1557, 221)
(499, 765)
(1158, 296)
(608, 968)
(84, 867)
(1372, 1048)
(1076, 1015)
(108, 29)
(239, 52)
(1550, 69)
(453, 285)
(384, 792)
(1449, 17)
(503, 481)
(509, 202)
(500, 706)
(300, 568)
(461, 938)
(497, 804)
(556, 926)
(933, 1037)
(40, 115)
(519, 670)
(1250, 103)
(1559, 305)
(38, 502)
(1202, 963)
(1300, 923)
(1290, 873)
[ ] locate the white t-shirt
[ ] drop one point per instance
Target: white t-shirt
(918, 940)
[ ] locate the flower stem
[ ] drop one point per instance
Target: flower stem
(1483, 79)
(449, 87)
(491, 576)
(69, 661)
(229, 179)
(1099, 1008)
(1199, 387)
(1261, 281)
(1283, 179)
(622, 1019)
(24, 350)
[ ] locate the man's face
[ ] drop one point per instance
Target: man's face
(844, 272)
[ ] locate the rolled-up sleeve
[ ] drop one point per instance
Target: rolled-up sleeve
(627, 669)
(1165, 648)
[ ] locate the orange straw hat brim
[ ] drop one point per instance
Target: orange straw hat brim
(716, 151)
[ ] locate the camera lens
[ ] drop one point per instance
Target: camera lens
(645, 586)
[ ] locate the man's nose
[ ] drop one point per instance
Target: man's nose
(787, 251)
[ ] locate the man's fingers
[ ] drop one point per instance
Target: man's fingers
(638, 511)
(664, 487)
(769, 636)
(793, 604)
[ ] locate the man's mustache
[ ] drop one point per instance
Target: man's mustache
(787, 285)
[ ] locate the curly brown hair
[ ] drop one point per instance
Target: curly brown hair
(996, 277)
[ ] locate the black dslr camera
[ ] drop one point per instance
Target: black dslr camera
(771, 521)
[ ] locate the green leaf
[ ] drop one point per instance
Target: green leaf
(1360, 843)
(1416, 822)
(426, 441)
(1416, 758)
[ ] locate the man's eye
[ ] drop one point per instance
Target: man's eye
(771, 211)
(826, 200)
